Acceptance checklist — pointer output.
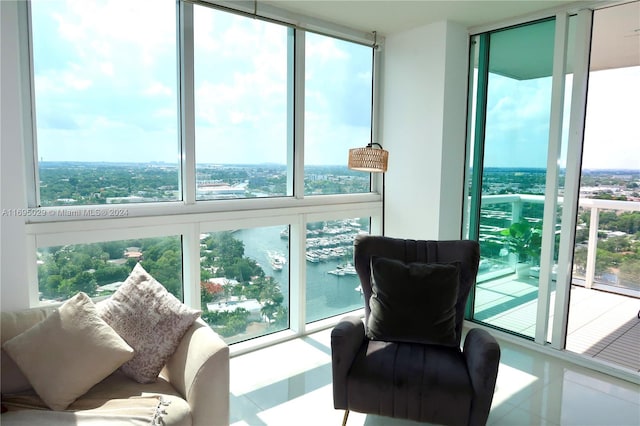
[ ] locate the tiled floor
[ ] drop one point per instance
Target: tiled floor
(290, 384)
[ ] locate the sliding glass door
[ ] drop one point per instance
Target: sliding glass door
(554, 182)
(513, 83)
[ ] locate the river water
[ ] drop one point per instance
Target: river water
(326, 294)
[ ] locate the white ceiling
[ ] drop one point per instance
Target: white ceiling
(616, 37)
(392, 16)
(616, 30)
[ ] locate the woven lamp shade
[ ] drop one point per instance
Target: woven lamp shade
(368, 159)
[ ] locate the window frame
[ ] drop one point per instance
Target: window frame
(49, 226)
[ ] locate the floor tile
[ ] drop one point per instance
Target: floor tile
(620, 389)
(568, 403)
(290, 384)
(521, 417)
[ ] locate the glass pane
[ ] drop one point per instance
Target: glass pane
(605, 288)
(333, 286)
(242, 106)
(98, 269)
(338, 93)
(516, 135)
(106, 101)
(245, 282)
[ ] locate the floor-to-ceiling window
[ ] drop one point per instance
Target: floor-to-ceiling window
(192, 141)
(603, 316)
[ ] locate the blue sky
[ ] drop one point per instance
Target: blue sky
(106, 91)
(106, 86)
(518, 121)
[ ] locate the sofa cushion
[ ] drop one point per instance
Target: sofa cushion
(12, 324)
(413, 302)
(150, 319)
(117, 400)
(68, 352)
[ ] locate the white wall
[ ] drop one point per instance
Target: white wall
(14, 292)
(424, 87)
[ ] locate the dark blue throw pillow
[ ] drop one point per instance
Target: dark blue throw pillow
(413, 302)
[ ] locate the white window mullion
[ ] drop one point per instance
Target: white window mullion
(32, 270)
(187, 103)
(191, 265)
(572, 179)
(298, 231)
(553, 172)
(298, 277)
(27, 89)
(298, 125)
(291, 109)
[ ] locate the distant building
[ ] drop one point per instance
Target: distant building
(133, 253)
(110, 287)
(129, 199)
(220, 190)
(252, 305)
(223, 281)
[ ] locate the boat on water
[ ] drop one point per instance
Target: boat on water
(276, 260)
(342, 270)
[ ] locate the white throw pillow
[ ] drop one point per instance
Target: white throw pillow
(68, 352)
(150, 319)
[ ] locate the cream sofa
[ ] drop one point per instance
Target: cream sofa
(193, 388)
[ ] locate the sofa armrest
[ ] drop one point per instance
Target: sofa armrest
(199, 370)
(482, 353)
(346, 339)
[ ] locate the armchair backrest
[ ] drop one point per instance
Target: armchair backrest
(466, 252)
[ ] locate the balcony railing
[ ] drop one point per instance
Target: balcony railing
(517, 201)
(602, 325)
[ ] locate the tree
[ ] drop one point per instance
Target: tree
(630, 271)
(108, 274)
(210, 292)
(84, 282)
(50, 290)
(615, 244)
(228, 323)
(167, 270)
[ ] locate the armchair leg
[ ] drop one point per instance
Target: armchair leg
(344, 419)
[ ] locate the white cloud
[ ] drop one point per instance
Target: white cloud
(158, 89)
(107, 68)
(114, 76)
(77, 83)
(237, 117)
(612, 130)
(324, 49)
(169, 113)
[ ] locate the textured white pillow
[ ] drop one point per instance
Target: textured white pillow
(68, 352)
(150, 319)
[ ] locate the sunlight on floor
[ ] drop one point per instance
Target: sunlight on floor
(290, 384)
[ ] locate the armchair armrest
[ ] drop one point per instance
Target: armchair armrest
(482, 353)
(346, 339)
(199, 370)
